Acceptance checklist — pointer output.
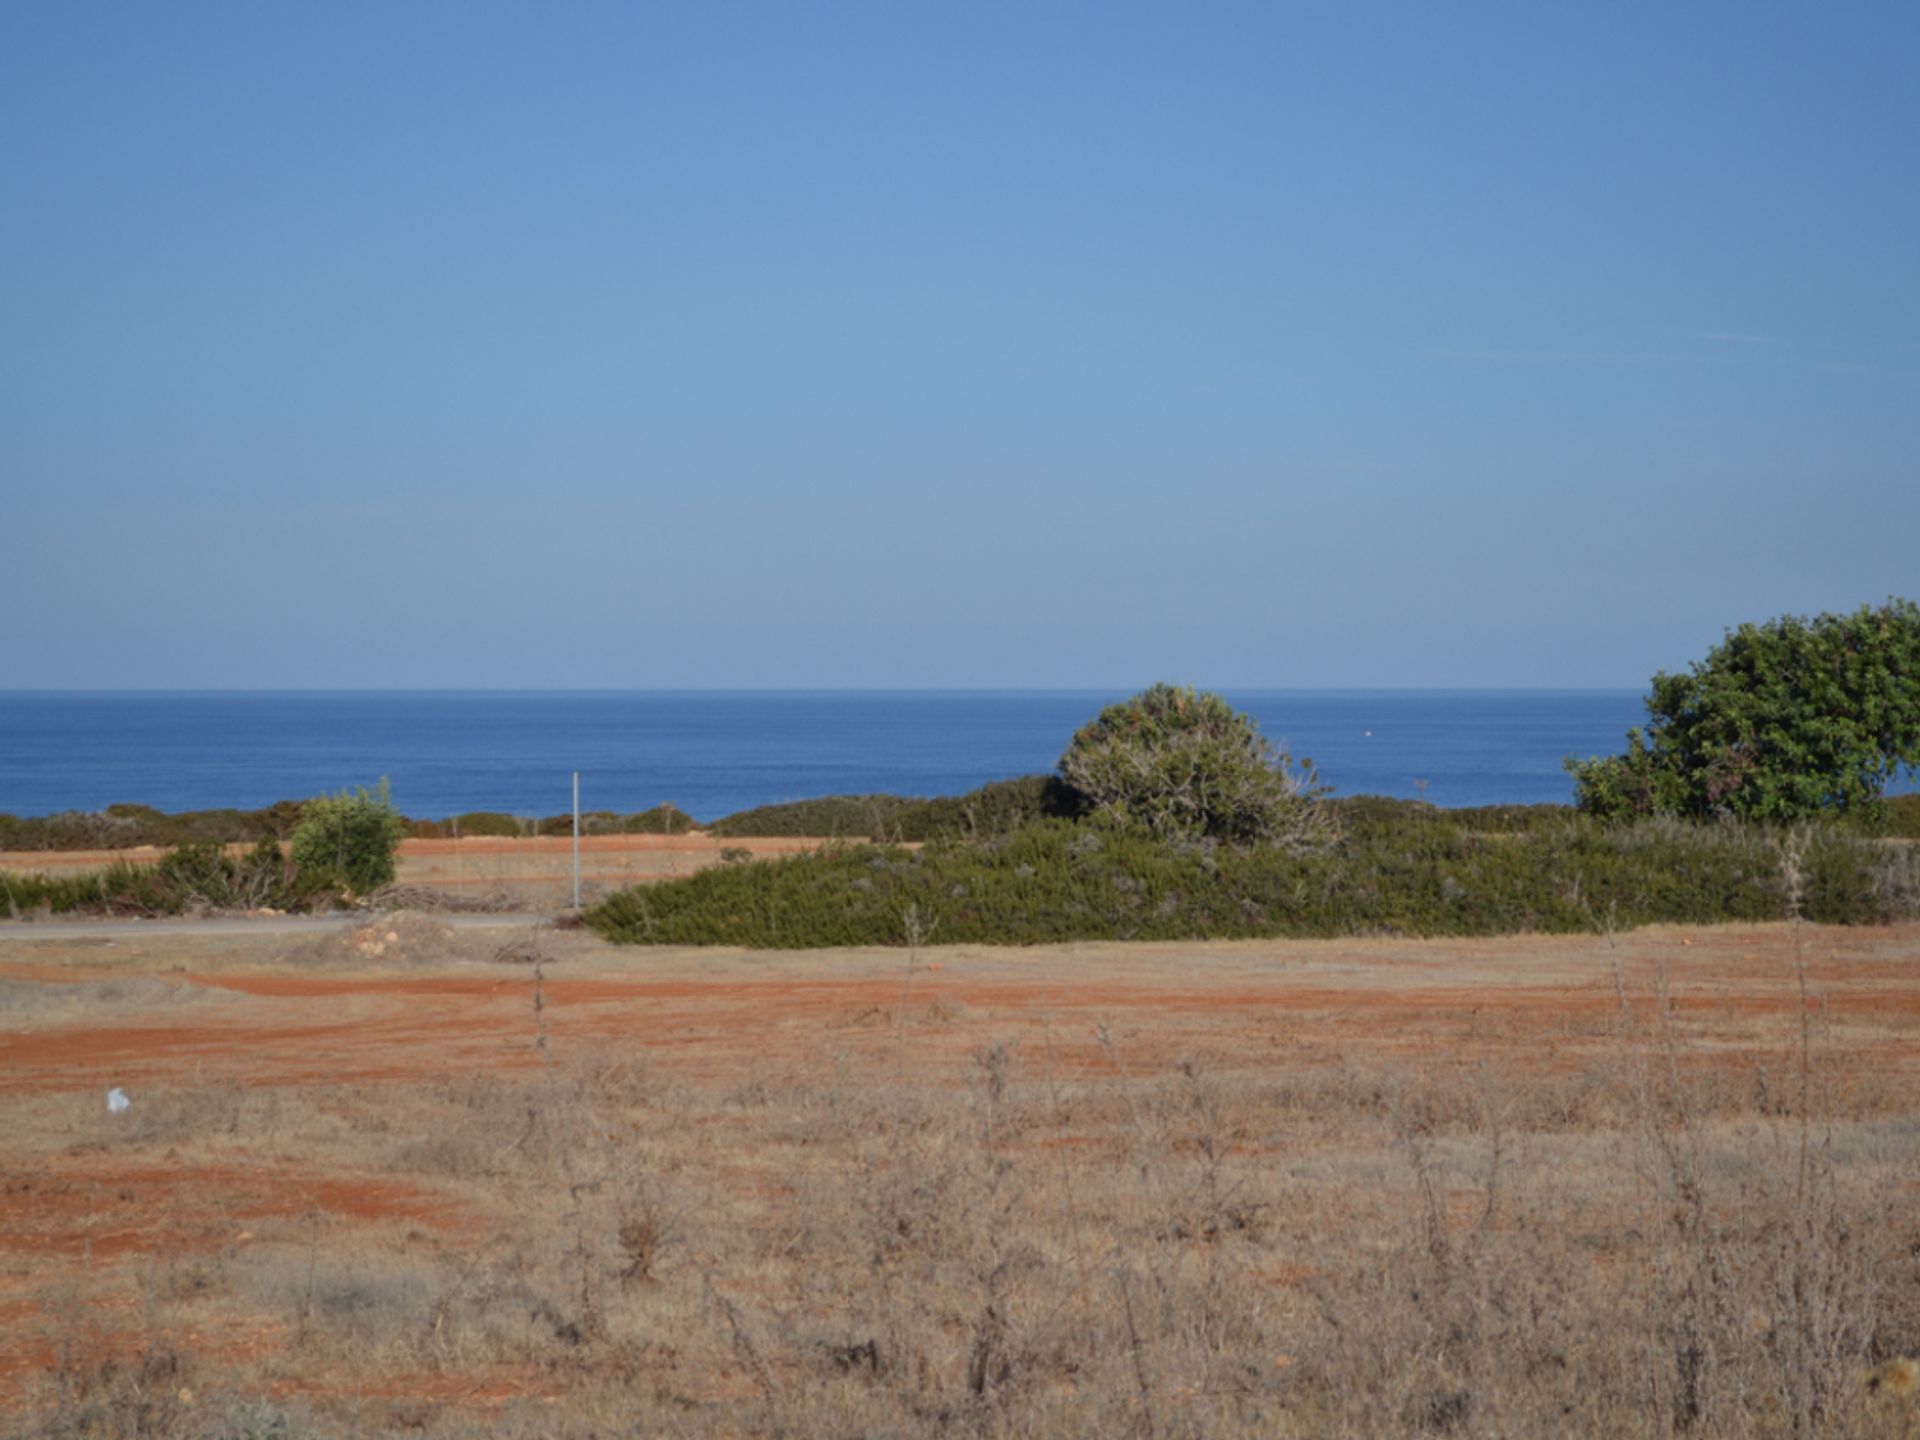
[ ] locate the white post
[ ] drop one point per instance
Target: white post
(576, 839)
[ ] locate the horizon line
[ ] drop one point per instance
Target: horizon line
(1130, 689)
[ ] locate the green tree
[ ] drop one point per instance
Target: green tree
(1781, 721)
(350, 838)
(1182, 764)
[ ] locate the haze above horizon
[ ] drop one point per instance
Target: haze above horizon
(751, 347)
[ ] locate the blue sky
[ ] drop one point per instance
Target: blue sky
(895, 344)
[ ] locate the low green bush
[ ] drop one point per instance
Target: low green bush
(121, 827)
(1902, 816)
(829, 817)
(1055, 880)
(990, 811)
(993, 809)
(349, 839)
(1510, 819)
(660, 820)
(480, 823)
(191, 877)
(120, 888)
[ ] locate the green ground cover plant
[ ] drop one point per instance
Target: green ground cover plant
(1056, 880)
(862, 817)
(993, 809)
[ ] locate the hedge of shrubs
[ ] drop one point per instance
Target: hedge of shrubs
(120, 827)
(661, 820)
(190, 878)
(123, 827)
(994, 809)
(1404, 873)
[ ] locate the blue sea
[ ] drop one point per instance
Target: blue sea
(716, 752)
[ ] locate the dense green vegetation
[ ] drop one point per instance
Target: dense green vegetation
(1181, 765)
(1781, 721)
(1413, 874)
(661, 820)
(120, 827)
(192, 877)
(1171, 819)
(993, 809)
(349, 840)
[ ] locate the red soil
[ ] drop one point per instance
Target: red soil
(1515, 1005)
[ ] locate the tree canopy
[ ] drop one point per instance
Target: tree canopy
(1781, 721)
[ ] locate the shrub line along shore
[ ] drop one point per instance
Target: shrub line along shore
(881, 818)
(1004, 865)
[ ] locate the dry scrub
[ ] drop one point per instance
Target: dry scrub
(1687, 1228)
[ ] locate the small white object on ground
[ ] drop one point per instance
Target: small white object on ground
(117, 1100)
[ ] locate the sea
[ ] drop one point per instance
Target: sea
(713, 753)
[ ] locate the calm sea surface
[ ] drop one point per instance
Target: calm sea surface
(715, 752)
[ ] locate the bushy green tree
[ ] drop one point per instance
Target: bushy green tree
(1781, 721)
(350, 837)
(1182, 764)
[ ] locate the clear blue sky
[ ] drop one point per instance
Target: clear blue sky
(898, 344)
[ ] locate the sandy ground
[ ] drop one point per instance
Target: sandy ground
(274, 1083)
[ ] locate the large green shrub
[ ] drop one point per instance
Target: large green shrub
(1781, 721)
(350, 838)
(1422, 875)
(1179, 764)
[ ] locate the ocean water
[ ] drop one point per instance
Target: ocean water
(716, 752)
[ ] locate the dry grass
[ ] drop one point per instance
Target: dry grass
(31, 1004)
(1690, 1218)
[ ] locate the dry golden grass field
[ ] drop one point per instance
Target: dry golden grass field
(400, 1179)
